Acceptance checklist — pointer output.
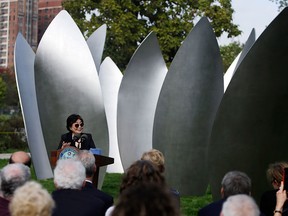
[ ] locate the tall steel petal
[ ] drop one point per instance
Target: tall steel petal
(67, 82)
(110, 79)
(96, 44)
(235, 64)
(250, 129)
(24, 69)
(186, 109)
(137, 99)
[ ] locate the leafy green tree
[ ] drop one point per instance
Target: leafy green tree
(229, 53)
(3, 90)
(281, 3)
(129, 22)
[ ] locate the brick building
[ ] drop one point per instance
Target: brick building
(47, 10)
(16, 16)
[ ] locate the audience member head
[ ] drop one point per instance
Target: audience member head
(13, 176)
(139, 172)
(235, 182)
(31, 200)
(156, 157)
(240, 205)
(72, 119)
(88, 161)
(275, 173)
(20, 157)
(69, 174)
(145, 199)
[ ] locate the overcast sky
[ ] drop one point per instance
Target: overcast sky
(251, 14)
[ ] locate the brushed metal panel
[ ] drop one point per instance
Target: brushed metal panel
(110, 79)
(96, 44)
(24, 70)
(250, 129)
(137, 99)
(235, 64)
(67, 82)
(187, 105)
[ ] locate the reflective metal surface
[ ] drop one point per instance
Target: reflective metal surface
(137, 99)
(96, 44)
(24, 71)
(187, 105)
(67, 82)
(110, 78)
(250, 130)
(233, 67)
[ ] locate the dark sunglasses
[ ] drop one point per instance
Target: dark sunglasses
(77, 125)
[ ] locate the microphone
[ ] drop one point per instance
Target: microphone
(83, 137)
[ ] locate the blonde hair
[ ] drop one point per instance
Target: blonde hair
(31, 199)
(156, 157)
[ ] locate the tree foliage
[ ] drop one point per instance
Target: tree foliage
(281, 3)
(229, 53)
(129, 22)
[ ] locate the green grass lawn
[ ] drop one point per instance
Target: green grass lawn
(189, 204)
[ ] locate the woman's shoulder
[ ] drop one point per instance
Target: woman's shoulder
(88, 134)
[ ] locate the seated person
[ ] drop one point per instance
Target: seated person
(12, 176)
(238, 205)
(69, 176)
(20, 157)
(145, 199)
(141, 171)
(157, 158)
(274, 174)
(234, 182)
(88, 161)
(75, 137)
(31, 199)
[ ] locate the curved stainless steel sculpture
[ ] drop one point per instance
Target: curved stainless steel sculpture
(187, 105)
(24, 69)
(96, 44)
(250, 129)
(67, 82)
(110, 79)
(137, 99)
(235, 64)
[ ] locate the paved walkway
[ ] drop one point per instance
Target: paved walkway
(5, 156)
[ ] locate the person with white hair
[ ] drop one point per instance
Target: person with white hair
(69, 176)
(31, 199)
(240, 205)
(12, 176)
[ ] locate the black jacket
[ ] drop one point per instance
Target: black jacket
(86, 144)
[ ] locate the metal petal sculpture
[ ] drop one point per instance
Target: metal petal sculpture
(235, 64)
(24, 69)
(96, 44)
(137, 99)
(250, 129)
(187, 105)
(110, 79)
(67, 82)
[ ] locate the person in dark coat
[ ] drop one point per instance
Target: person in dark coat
(274, 174)
(75, 137)
(88, 161)
(69, 176)
(234, 182)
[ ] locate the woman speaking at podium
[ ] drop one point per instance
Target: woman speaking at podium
(75, 137)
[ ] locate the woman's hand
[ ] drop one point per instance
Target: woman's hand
(64, 144)
(281, 197)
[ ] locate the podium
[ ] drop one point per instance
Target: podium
(70, 151)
